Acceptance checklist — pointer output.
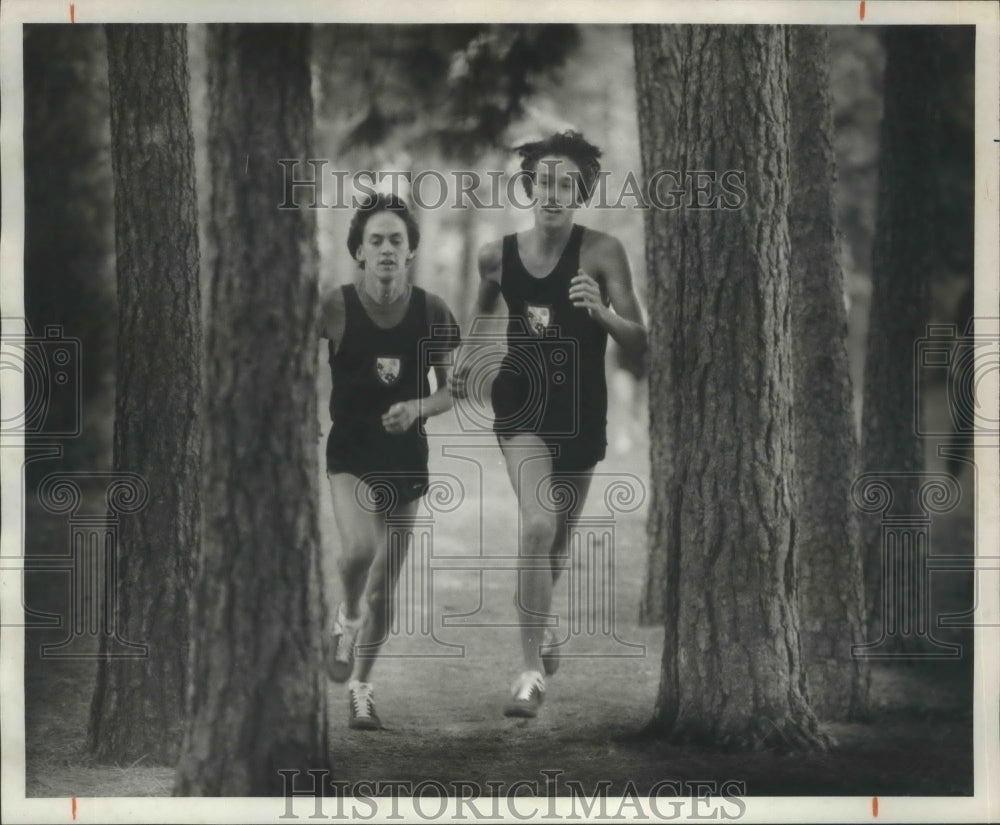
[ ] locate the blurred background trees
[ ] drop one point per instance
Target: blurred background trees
(69, 244)
(922, 248)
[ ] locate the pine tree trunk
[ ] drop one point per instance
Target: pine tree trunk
(731, 672)
(256, 704)
(831, 586)
(904, 253)
(138, 704)
(658, 83)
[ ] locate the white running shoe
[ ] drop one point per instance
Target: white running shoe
(527, 695)
(361, 699)
(340, 657)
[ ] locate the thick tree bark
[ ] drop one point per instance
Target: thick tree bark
(831, 586)
(256, 703)
(658, 84)
(138, 704)
(905, 253)
(731, 672)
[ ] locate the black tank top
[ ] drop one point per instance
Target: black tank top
(552, 380)
(372, 369)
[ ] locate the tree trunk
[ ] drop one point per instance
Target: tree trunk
(731, 672)
(831, 586)
(658, 79)
(138, 704)
(256, 703)
(905, 252)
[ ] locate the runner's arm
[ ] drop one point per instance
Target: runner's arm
(623, 317)
(332, 317)
(444, 335)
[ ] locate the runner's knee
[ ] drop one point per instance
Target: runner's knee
(537, 533)
(377, 600)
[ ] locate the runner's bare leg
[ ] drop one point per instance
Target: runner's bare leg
(529, 466)
(379, 594)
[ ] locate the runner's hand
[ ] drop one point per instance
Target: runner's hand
(585, 292)
(400, 417)
(457, 382)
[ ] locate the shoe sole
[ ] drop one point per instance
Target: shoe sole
(364, 724)
(521, 709)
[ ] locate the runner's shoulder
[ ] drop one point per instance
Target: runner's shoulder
(438, 310)
(333, 311)
(601, 243)
(601, 250)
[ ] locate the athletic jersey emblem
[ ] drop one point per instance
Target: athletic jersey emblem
(387, 370)
(538, 318)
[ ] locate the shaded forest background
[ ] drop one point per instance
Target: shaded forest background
(379, 93)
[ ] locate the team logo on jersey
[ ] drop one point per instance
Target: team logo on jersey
(538, 318)
(387, 370)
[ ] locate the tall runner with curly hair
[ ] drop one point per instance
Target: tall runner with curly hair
(566, 288)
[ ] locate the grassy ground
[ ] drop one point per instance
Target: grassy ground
(440, 697)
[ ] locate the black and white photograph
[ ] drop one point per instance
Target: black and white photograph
(535, 412)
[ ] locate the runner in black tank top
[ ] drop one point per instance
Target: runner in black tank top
(372, 369)
(566, 288)
(376, 451)
(552, 381)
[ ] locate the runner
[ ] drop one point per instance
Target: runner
(566, 288)
(376, 454)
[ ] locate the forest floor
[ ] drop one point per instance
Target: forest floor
(440, 694)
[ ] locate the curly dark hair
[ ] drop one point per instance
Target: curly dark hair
(372, 206)
(568, 144)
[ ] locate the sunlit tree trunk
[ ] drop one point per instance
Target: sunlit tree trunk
(658, 85)
(138, 704)
(831, 587)
(732, 673)
(256, 703)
